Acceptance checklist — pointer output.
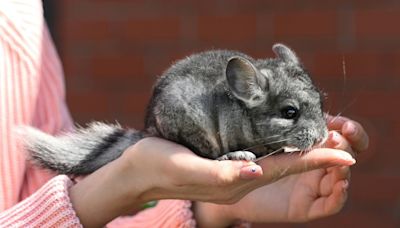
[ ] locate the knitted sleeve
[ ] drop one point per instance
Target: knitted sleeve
(48, 207)
(32, 93)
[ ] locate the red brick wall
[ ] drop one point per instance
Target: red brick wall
(113, 51)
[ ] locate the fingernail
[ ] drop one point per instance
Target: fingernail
(350, 129)
(345, 185)
(337, 119)
(246, 163)
(333, 139)
(250, 172)
(336, 137)
(348, 157)
(251, 163)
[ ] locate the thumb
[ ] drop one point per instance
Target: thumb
(228, 172)
(286, 164)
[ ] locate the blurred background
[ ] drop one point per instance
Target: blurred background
(113, 51)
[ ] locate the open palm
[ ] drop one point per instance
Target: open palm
(296, 198)
(308, 195)
(306, 187)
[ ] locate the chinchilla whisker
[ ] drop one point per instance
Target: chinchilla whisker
(335, 117)
(277, 141)
(351, 103)
(268, 143)
(272, 136)
(326, 115)
(283, 172)
(264, 138)
(270, 154)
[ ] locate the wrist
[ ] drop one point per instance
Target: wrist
(104, 195)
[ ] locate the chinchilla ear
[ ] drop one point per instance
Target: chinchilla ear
(285, 53)
(246, 82)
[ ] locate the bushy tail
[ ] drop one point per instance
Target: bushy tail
(80, 152)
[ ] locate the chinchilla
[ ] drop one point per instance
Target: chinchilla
(220, 104)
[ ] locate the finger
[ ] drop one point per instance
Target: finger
(196, 170)
(342, 173)
(352, 130)
(286, 164)
(356, 135)
(335, 123)
(333, 175)
(223, 173)
(183, 167)
(213, 181)
(250, 171)
(227, 181)
(332, 203)
(337, 141)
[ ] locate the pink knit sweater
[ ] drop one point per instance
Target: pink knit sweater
(32, 93)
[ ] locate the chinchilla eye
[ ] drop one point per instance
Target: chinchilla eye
(289, 112)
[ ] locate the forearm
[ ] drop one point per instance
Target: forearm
(105, 194)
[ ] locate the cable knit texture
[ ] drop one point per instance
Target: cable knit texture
(32, 93)
(48, 207)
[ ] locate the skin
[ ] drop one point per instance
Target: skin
(282, 188)
(299, 197)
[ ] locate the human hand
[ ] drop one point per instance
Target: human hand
(188, 176)
(155, 169)
(300, 197)
(351, 130)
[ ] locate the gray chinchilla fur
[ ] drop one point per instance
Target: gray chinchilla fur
(217, 103)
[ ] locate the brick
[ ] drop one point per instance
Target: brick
(328, 65)
(117, 66)
(133, 106)
(384, 190)
(112, 86)
(376, 104)
(78, 84)
(371, 4)
(86, 29)
(320, 24)
(126, 108)
(334, 102)
(359, 218)
(357, 64)
(150, 29)
(396, 66)
(72, 66)
(382, 160)
(135, 102)
(91, 102)
(227, 28)
(377, 23)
